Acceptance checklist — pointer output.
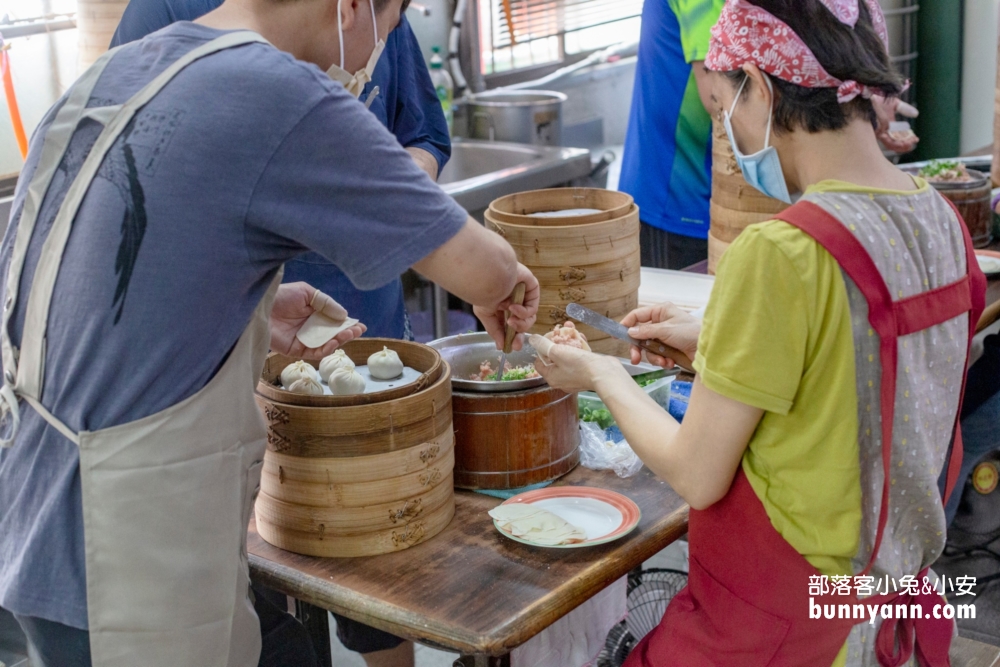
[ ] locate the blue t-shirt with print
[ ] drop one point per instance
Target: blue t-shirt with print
(406, 104)
(191, 214)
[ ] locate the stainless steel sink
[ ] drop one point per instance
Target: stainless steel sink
(481, 171)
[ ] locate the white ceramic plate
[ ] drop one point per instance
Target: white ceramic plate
(604, 515)
(988, 264)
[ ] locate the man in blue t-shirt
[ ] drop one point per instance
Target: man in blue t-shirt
(402, 84)
(405, 103)
(248, 158)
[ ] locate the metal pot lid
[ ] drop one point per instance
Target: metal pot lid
(509, 98)
(465, 352)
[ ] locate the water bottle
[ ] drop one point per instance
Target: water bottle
(443, 85)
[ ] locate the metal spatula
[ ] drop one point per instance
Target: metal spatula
(518, 299)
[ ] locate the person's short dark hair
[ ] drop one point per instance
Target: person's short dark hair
(847, 53)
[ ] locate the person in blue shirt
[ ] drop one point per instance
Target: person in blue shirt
(405, 102)
(403, 99)
(666, 165)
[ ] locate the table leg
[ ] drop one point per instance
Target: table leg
(317, 623)
(439, 306)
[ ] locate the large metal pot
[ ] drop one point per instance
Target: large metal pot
(526, 117)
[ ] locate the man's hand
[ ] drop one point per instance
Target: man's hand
(293, 304)
(521, 317)
(666, 323)
(886, 110)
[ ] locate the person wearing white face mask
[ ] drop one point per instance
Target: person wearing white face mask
(160, 198)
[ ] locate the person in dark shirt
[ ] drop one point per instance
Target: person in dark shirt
(405, 102)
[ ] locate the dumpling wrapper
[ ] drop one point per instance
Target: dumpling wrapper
(319, 329)
(536, 525)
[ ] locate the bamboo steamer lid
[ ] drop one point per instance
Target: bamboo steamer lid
(372, 518)
(358, 478)
(354, 469)
(733, 192)
(609, 281)
(96, 22)
(715, 250)
(352, 495)
(735, 204)
(594, 263)
(584, 244)
(727, 223)
(519, 207)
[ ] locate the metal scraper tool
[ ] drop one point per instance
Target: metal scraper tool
(620, 331)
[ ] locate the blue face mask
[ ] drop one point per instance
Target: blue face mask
(762, 170)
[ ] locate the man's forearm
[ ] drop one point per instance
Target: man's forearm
(424, 160)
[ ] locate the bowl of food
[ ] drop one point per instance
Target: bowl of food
(474, 358)
(968, 189)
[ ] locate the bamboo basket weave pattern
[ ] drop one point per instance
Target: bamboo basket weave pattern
(735, 203)
(358, 478)
(591, 259)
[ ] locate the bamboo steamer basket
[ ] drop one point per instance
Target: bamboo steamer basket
(514, 439)
(96, 22)
(358, 350)
(735, 204)
(519, 207)
(576, 259)
(359, 476)
(715, 250)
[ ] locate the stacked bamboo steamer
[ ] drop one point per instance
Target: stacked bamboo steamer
(358, 475)
(591, 258)
(735, 203)
(96, 22)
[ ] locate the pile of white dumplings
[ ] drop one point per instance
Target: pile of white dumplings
(339, 373)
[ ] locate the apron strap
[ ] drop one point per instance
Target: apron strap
(24, 372)
(889, 319)
(54, 146)
(977, 292)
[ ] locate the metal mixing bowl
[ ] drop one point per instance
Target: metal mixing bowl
(465, 352)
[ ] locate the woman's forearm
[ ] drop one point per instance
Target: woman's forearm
(648, 428)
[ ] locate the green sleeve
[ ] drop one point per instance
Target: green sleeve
(696, 18)
(755, 332)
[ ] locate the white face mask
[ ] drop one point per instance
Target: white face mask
(355, 83)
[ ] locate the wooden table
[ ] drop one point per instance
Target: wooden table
(469, 589)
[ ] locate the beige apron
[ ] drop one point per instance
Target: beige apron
(167, 498)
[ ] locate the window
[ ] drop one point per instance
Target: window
(515, 34)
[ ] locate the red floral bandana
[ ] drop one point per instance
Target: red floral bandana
(746, 33)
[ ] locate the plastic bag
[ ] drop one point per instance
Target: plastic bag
(597, 452)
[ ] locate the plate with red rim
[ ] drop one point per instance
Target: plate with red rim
(989, 262)
(604, 515)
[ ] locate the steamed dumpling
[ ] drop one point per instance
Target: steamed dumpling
(346, 381)
(296, 371)
(306, 385)
(385, 365)
(338, 359)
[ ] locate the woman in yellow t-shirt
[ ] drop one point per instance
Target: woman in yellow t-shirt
(830, 364)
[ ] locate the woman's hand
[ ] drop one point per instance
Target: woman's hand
(572, 369)
(666, 323)
(521, 317)
(886, 110)
(293, 304)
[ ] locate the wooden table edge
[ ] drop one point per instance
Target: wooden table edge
(500, 641)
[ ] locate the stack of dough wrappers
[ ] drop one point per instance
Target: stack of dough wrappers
(536, 525)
